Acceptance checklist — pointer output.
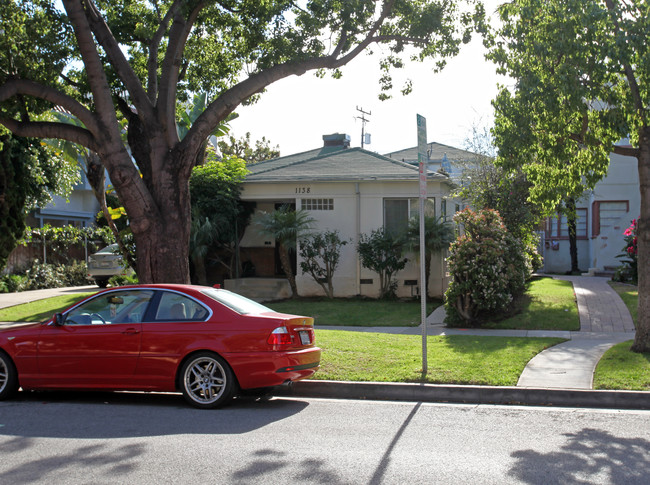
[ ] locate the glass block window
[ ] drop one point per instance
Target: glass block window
(317, 204)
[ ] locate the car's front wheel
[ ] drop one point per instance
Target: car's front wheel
(8, 377)
(207, 381)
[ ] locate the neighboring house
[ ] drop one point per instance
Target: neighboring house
(347, 189)
(80, 209)
(603, 216)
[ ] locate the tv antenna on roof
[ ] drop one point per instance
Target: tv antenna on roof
(365, 138)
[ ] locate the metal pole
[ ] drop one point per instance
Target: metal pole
(422, 156)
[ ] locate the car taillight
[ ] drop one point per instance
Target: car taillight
(280, 336)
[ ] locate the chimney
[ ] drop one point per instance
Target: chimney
(337, 140)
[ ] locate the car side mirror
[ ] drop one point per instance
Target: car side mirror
(58, 319)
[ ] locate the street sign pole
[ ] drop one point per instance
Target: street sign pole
(422, 165)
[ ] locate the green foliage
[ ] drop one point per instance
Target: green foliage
(219, 217)
(60, 239)
(286, 226)
(29, 175)
(488, 267)
(438, 235)
(122, 280)
(46, 275)
(630, 255)
(581, 84)
(320, 255)
(243, 148)
(381, 252)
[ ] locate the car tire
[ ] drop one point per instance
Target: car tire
(102, 283)
(207, 381)
(8, 377)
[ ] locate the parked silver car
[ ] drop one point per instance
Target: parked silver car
(106, 263)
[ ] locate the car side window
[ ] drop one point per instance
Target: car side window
(179, 308)
(127, 306)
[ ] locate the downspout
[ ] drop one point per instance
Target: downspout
(358, 194)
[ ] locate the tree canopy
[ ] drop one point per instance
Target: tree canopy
(582, 84)
(130, 62)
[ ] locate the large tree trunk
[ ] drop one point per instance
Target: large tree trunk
(642, 338)
(160, 225)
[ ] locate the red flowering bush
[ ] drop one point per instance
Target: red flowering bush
(489, 269)
(630, 251)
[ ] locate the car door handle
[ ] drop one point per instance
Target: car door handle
(131, 331)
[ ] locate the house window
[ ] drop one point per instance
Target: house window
(443, 209)
(606, 213)
(317, 204)
(397, 212)
(557, 226)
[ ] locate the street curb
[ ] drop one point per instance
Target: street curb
(439, 393)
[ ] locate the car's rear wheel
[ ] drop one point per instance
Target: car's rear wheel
(207, 381)
(8, 377)
(102, 283)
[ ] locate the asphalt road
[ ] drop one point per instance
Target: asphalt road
(143, 438)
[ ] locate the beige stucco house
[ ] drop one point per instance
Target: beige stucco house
(351, 190)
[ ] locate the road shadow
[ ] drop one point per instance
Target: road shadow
(589, 456)
(106, 415)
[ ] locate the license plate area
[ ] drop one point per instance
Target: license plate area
(304, 337)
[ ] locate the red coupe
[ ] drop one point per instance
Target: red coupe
(207, 343)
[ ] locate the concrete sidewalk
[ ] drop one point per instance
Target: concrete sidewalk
(11, 299)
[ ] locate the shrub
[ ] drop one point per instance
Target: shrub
(122, 280)
(45, 275)
(489, 269)
(320, 255)
(11, 283)
(381, 252)
(630, 253)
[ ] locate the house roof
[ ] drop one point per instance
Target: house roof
(332, 164)
(436, 152)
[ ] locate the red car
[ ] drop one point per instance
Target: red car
(207, 343)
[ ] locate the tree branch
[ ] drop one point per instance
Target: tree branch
(154, 46)
(178, 34)
(228, 101)
(122, 67)
(629, 72)
(17, 87)
(93, 64)
(48, 129)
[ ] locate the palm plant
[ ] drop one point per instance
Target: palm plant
(285, 225)
(438, 235)
(203, 234)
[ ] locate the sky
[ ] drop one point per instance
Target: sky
(297, 111)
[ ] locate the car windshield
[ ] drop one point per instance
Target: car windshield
(238, 303)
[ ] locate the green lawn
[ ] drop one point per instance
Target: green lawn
(548, 304)
(619, 368)
(454, 359)
(40, 310)
(360, 312)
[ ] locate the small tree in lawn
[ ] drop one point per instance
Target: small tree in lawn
(320, 255)
(286, 226)
(381, 252)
